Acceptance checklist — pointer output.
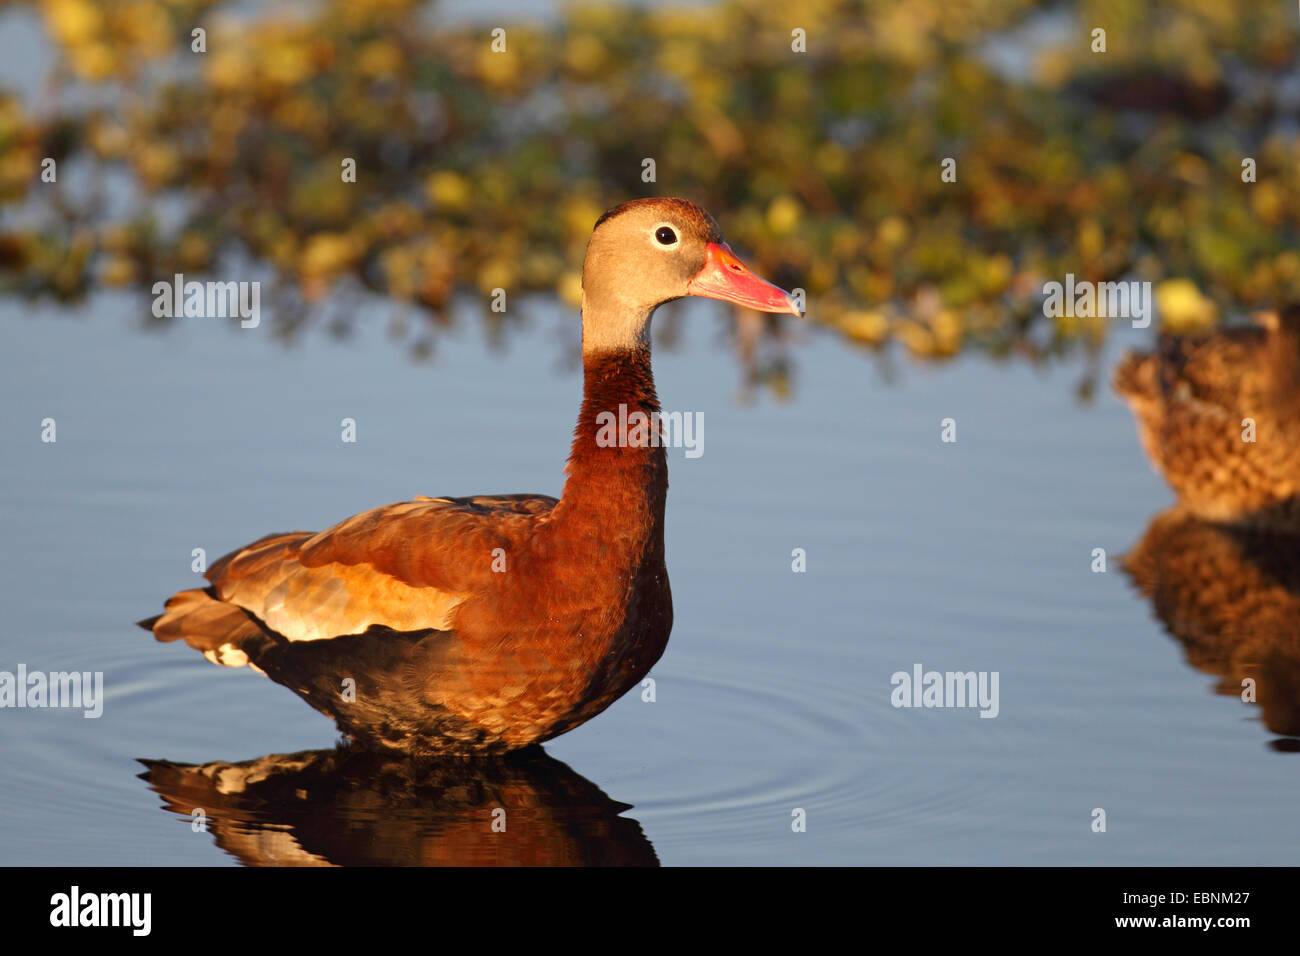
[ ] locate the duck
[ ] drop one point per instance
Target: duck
(480, 625)
(1217, 416)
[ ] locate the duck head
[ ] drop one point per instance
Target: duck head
(651, 251)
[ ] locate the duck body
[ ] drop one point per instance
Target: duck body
(484, 624)
(476, 625)
(1217, 416)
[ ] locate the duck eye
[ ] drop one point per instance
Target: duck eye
(665, 235)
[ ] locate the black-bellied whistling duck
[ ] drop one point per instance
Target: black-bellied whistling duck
(1218, 417)
(399, 623)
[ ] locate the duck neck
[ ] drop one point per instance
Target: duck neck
(1283, 357)
(618, 472)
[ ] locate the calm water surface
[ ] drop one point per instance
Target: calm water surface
(774, 693)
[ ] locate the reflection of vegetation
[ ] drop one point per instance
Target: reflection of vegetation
(479, 169)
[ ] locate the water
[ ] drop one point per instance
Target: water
(774, 693)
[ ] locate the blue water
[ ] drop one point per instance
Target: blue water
(774, 693)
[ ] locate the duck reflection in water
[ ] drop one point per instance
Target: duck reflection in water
(355, 807)
(1231, 597)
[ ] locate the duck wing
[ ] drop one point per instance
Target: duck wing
(405, 567)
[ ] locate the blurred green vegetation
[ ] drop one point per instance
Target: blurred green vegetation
(478, 169)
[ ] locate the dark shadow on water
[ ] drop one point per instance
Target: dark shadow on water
(350, 807)
(1231, 597)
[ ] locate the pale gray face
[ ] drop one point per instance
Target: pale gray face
(641, 255)
(650, 251)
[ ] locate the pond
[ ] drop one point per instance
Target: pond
(776, 691)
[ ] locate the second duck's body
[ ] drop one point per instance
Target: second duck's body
(1217, 416)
